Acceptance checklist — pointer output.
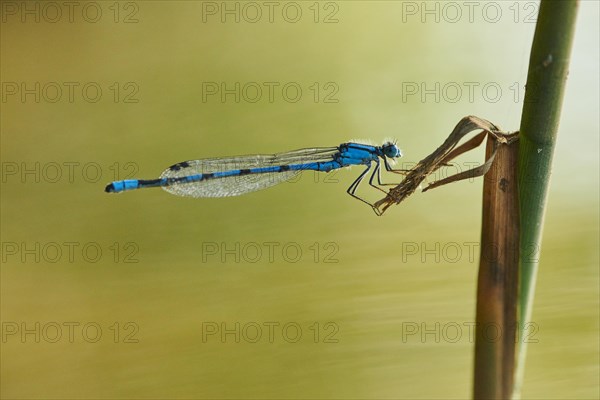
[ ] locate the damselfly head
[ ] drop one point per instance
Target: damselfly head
(390, 150)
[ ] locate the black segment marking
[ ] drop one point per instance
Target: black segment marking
(284, 168)
(245, 171)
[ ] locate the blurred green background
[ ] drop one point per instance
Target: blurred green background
(378, 300)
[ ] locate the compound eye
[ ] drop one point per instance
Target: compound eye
(392, 151)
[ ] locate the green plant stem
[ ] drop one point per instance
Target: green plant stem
(548, 69)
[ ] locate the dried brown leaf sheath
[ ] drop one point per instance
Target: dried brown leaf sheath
(442, 156)
(498, 281)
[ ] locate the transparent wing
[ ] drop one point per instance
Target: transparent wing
(240, 184)
(230, 186)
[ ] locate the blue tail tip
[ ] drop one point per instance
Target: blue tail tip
(110, 188)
